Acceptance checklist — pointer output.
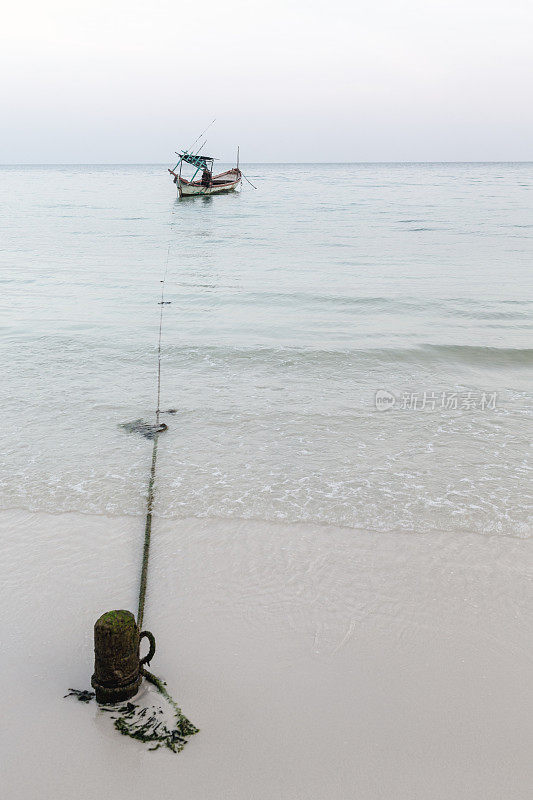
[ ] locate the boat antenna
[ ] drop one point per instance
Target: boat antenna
(201, 147)
(202, 133)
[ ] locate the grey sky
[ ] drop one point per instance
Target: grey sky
(381, 80)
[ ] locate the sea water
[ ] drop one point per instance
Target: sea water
(346, 344)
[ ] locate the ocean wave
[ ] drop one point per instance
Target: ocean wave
(451, 353)
(123, 351)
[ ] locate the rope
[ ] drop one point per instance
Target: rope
(151, 481)
(147, 723)
(246, 179)
(147, 537)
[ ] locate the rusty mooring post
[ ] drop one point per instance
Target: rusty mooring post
(117, 665)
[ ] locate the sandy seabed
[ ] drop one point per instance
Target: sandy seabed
(318, 662)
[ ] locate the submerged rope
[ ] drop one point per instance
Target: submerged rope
(151, 481)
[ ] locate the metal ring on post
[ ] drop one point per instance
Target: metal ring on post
(151, 652)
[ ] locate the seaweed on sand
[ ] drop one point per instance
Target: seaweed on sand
(147, 724)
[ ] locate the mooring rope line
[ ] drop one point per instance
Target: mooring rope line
(143, 722)
(147, 537)
(151, 481)
(131, 721)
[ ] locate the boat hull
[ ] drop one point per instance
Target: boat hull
(225, 182)
(185, 189)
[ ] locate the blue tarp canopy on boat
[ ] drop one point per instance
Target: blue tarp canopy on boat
(205, 162)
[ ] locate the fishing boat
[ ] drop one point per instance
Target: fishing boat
(208, 183)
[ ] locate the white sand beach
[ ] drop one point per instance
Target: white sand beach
(318, 662)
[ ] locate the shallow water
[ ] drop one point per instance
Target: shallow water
(291, 307)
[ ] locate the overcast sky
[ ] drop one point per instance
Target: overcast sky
(347, 80)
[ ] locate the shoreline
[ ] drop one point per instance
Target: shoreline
(317, 661)
(274, 523)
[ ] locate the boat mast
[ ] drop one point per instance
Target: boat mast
(199, 137)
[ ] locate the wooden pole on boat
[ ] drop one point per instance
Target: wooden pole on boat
(202, 145)
(238, 148)
(202, 133)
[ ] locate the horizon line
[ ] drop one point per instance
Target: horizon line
(162, 164)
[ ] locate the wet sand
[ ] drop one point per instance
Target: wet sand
(319, 662)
